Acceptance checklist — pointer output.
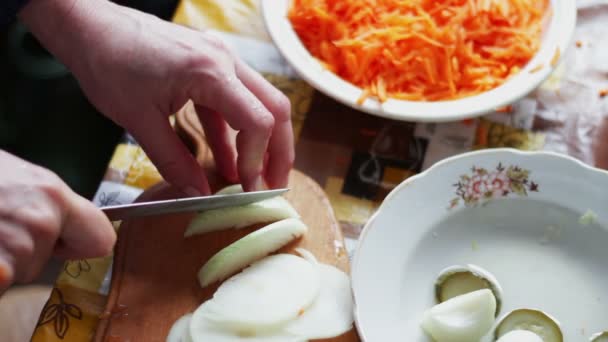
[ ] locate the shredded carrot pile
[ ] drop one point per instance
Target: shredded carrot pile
(421, 50)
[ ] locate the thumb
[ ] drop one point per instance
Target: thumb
(86, 231)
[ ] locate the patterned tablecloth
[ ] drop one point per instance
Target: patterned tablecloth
(368, 156)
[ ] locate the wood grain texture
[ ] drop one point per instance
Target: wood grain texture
(154, 280)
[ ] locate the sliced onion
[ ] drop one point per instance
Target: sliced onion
(270, 210)
(306, 254)
(230, 189)
(180, 331)
(204, 330)
(520, 336)
(265, 296)
(331, 314)
(464, 318)
(249, 249)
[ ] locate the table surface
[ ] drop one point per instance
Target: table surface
(367, 156)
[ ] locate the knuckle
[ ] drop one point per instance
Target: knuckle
(265, 123)
(49, 182)
(282, 111)
(44, 224)
(218, 44)
(22, 248)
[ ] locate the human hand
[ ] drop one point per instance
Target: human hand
(138, 69)
(41, 216)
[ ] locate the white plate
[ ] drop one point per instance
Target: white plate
(527, 233)
(558, 34)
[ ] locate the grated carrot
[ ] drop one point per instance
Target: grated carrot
(505, 109)
(537, 68)
(555, 58)
(421, 50)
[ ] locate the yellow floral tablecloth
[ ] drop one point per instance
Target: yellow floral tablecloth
(365, 158)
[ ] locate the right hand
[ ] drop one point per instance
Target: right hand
(41, 216)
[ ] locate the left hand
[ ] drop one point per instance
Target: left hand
(138, 69)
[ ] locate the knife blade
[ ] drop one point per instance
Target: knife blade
(126, 211)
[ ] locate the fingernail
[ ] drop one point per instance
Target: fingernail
(191, 192)
(259, 184)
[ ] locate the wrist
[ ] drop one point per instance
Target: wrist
(67, 28)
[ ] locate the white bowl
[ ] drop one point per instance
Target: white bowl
(527, 232)
(557, 35)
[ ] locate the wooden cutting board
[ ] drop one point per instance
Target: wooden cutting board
(154, 273)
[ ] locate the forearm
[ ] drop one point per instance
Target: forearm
(67, 27)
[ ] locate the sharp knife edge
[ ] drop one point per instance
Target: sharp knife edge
(125, 211)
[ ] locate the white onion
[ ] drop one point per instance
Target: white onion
(249, 249)
(331, 314)
(267, 295)
(463, 318)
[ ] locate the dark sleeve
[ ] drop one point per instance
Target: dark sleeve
(9, 9)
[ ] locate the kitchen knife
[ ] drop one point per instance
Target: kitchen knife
(126, 211)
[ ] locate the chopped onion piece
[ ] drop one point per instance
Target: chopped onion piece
(269, 210)
(204, 330)
(331, 314)
(265, 296)
(180, 331)
(520, 336)
(463, 318)
(249, 249)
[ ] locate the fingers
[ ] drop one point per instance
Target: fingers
(86, 231)
(281, 147)
(51, 213)
(17, 254)
(29, 231)
(168, 153)
(7, 270)
(245, 113)
(219, 140)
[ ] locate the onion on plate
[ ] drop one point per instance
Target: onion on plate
(600, 337)
(520, 336)
(458, 280)
(532, 320)
(464, 318)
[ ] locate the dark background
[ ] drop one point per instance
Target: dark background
(44, 116)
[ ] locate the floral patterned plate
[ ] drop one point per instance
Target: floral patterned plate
(537, 221)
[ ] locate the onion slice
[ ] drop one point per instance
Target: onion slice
(180, 331)
(464, 318)
(331, 314)
(269, 210)
(266, 295)
(249, 249)
(203, 330)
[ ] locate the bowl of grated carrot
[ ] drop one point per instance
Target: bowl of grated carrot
(422, 60)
